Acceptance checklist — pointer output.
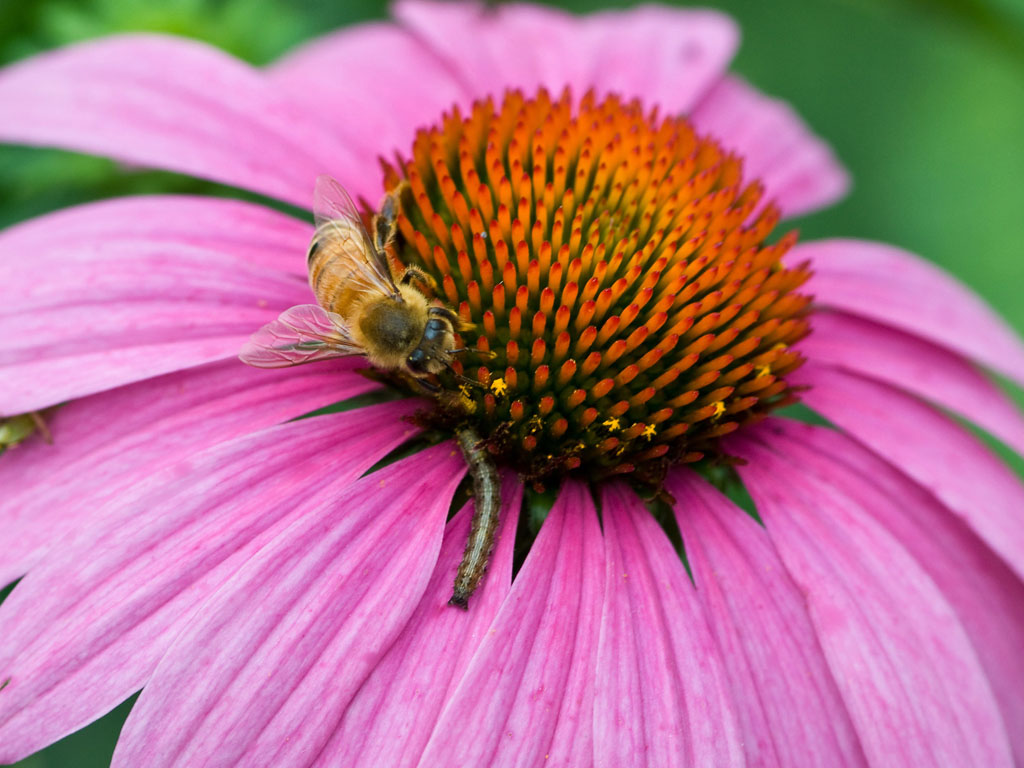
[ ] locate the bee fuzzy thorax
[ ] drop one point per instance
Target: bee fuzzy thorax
(389, 329)
(361, 309)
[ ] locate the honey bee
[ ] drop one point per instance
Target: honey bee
(363, 308)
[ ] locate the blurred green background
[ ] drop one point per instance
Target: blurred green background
(922, 99)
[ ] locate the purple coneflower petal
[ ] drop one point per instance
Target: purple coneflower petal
(263, 673)
(917, 366)
(527, 697)
(122, 301)
(986, 595)
(391, 718)
(894, 287)
(667, 57)
(257, 236)
(490, 50)
(85, 629)
(171, 103)
(799, 171)
(941, 455)
(380, 72)
(775, 665)
(661, 694)
(109, 442)
(898, 652)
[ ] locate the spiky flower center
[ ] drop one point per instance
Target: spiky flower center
(623, 311)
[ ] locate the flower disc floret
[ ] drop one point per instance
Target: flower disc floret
(621, 308)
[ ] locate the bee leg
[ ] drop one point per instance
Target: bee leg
(385, 223)
(428, 386)
(383, 232)
(468, 381)
(446, 313)
(415, 273)
(458, 324)
(486, 515)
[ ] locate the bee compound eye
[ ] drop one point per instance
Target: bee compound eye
(434, 330)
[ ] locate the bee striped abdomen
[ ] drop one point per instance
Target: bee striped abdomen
(486, 515)
(329, 262)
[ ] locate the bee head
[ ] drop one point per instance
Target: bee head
(418, 362)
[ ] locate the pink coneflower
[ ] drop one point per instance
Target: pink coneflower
(188, 535)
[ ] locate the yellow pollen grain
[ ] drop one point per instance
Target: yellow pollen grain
(612, 425)
(499, 387)
(650, 431)
(763, 370)
(719, 409)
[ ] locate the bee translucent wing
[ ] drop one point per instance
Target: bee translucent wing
(336, 215)
(302, 334)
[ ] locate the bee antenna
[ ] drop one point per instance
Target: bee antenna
(468, 381)
(479, 352)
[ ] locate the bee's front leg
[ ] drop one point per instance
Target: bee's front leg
(427, 386)
(415, 273)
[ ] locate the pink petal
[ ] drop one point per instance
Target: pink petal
(899, 654)
(378, 72)
(491, 50)
(758, 615)
(954, 465)
(86, 628)
(896, 288)
(987, 596)
(262, 675)
(392, 716)
(667, 57)
(172, 103)
(527, 696)
(800, 172)
(916, 366)
(135, 288)
(107, 443)
(661, 695)
(255, 235)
